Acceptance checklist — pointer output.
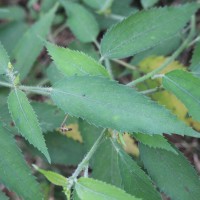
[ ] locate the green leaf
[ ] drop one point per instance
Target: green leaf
(100, 5)
(64, 150)
(49, 116)
(29, 46)
(81, 22)
(86, 48)
(144, 30)
(72, 63)
(154, 141)
(53, 177)
(89, 134)
(120, 8)
(53, 73)
(148, 3)
(110, 105)
(12, 13)
(47, 5)
(14, 173)
(195, 62)
(26, 120)
(122, 171)
(4, 60)
(3, 196)
(88, 188)
(11, 33)
(172, 173)
(186, 87)
(163, 49)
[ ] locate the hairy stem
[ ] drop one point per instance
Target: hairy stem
(170, 59)
(84, 163)
(37, 90)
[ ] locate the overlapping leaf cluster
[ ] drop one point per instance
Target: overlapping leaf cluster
(88, 94)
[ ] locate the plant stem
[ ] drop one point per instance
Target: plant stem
(150, 91)
(83, 164)
(38, 90)
(2, 83)
(97, 44)
(197, 39)
(125, 64)
(170, 59)
(108, 67)
(59, 29)
(116, 17)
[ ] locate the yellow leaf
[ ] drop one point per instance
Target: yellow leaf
(72, 131)
(164, 97)
(131, 146)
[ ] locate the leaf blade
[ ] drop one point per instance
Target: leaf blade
(98, 100)
(30, 45)
(122, 171)
(88, 188)
(154, 141)
(172, 173)
(159, 26)
(55, 178)
(186, 87)
(88, 29)
(72, 63)
(4, 59)
(13, 169)
(26, 120)
(195, 62)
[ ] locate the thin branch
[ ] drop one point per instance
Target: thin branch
(84, 163)
(153, 90)
(116, 17)
(125, 64)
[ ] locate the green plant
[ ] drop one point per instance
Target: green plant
(78, 89)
